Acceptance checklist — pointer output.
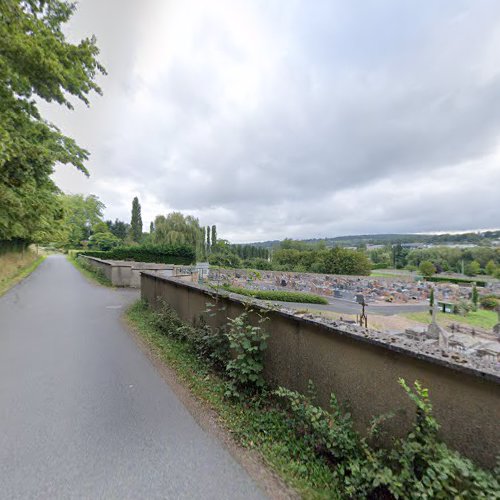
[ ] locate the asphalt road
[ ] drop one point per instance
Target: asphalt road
(84, 414)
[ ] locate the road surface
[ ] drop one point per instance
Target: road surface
(84, 414)
(347, 307)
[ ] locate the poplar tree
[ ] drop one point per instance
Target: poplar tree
(136, 221)
(214, 235)
(208, 239)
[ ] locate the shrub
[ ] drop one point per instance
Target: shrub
(224, 260)
(473, 268)
(278, 295)
(489, 302)
(418, 466)
(104, 241)
(427, 268)
(463, 308)
(245, 368)
(167, 254)
(211, 345)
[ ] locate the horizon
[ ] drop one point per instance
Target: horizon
(273, 120)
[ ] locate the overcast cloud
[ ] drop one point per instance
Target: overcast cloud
(301, 119)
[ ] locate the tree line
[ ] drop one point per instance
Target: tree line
(470, 261)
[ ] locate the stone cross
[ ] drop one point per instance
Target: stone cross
(434, 308)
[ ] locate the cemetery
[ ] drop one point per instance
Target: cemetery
(400, 290)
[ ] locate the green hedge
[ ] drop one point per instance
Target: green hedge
(457, 281)
(168, 254)
(305, 298)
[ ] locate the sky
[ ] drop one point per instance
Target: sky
(291, 118)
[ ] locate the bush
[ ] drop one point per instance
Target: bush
(427, 268)
(224, 260)
(278, 295)
(104, 241)
(166, 254)
(246, 366)
(260, 264)
(463, 308)
(418, 466)
(489, 302)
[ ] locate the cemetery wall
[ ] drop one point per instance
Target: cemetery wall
(360, 369)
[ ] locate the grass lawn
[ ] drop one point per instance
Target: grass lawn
(479, 318)
(14, 266)
(377, 274)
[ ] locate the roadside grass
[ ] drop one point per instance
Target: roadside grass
(15, 266)
(376, 274)
(480, 318)
(277, 295)
(89, 272)
(258, 425)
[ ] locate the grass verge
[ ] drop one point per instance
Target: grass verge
(257, 426)
(278, 295)
(14, 267)
(89, 272)
(480, 318)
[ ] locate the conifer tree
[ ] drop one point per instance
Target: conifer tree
(136, 221)
(214, 235)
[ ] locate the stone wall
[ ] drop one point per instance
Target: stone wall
(360, 369)
(126, 273)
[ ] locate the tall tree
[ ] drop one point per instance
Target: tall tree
(80, 214)
(151, 227)
(136, 221)
(209, 246)
(118, 228)
(214, 235)
(37, 63)
(178, 229)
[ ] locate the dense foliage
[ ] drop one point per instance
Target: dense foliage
(164, 254)
(37, 63)
(250, 251)
(329, 261)
(80, 217)
(278, 295)
(179, 229)
(417, 466)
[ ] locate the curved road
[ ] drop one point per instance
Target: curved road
(84, 414)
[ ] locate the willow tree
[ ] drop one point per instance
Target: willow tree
(179, 229)
(37, 63)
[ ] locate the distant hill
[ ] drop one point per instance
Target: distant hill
(476, 238)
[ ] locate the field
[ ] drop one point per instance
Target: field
(479, 318)
(14, 266)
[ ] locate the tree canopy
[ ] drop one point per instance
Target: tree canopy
(36, 62)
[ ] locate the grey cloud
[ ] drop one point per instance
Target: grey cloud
(346, 99)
